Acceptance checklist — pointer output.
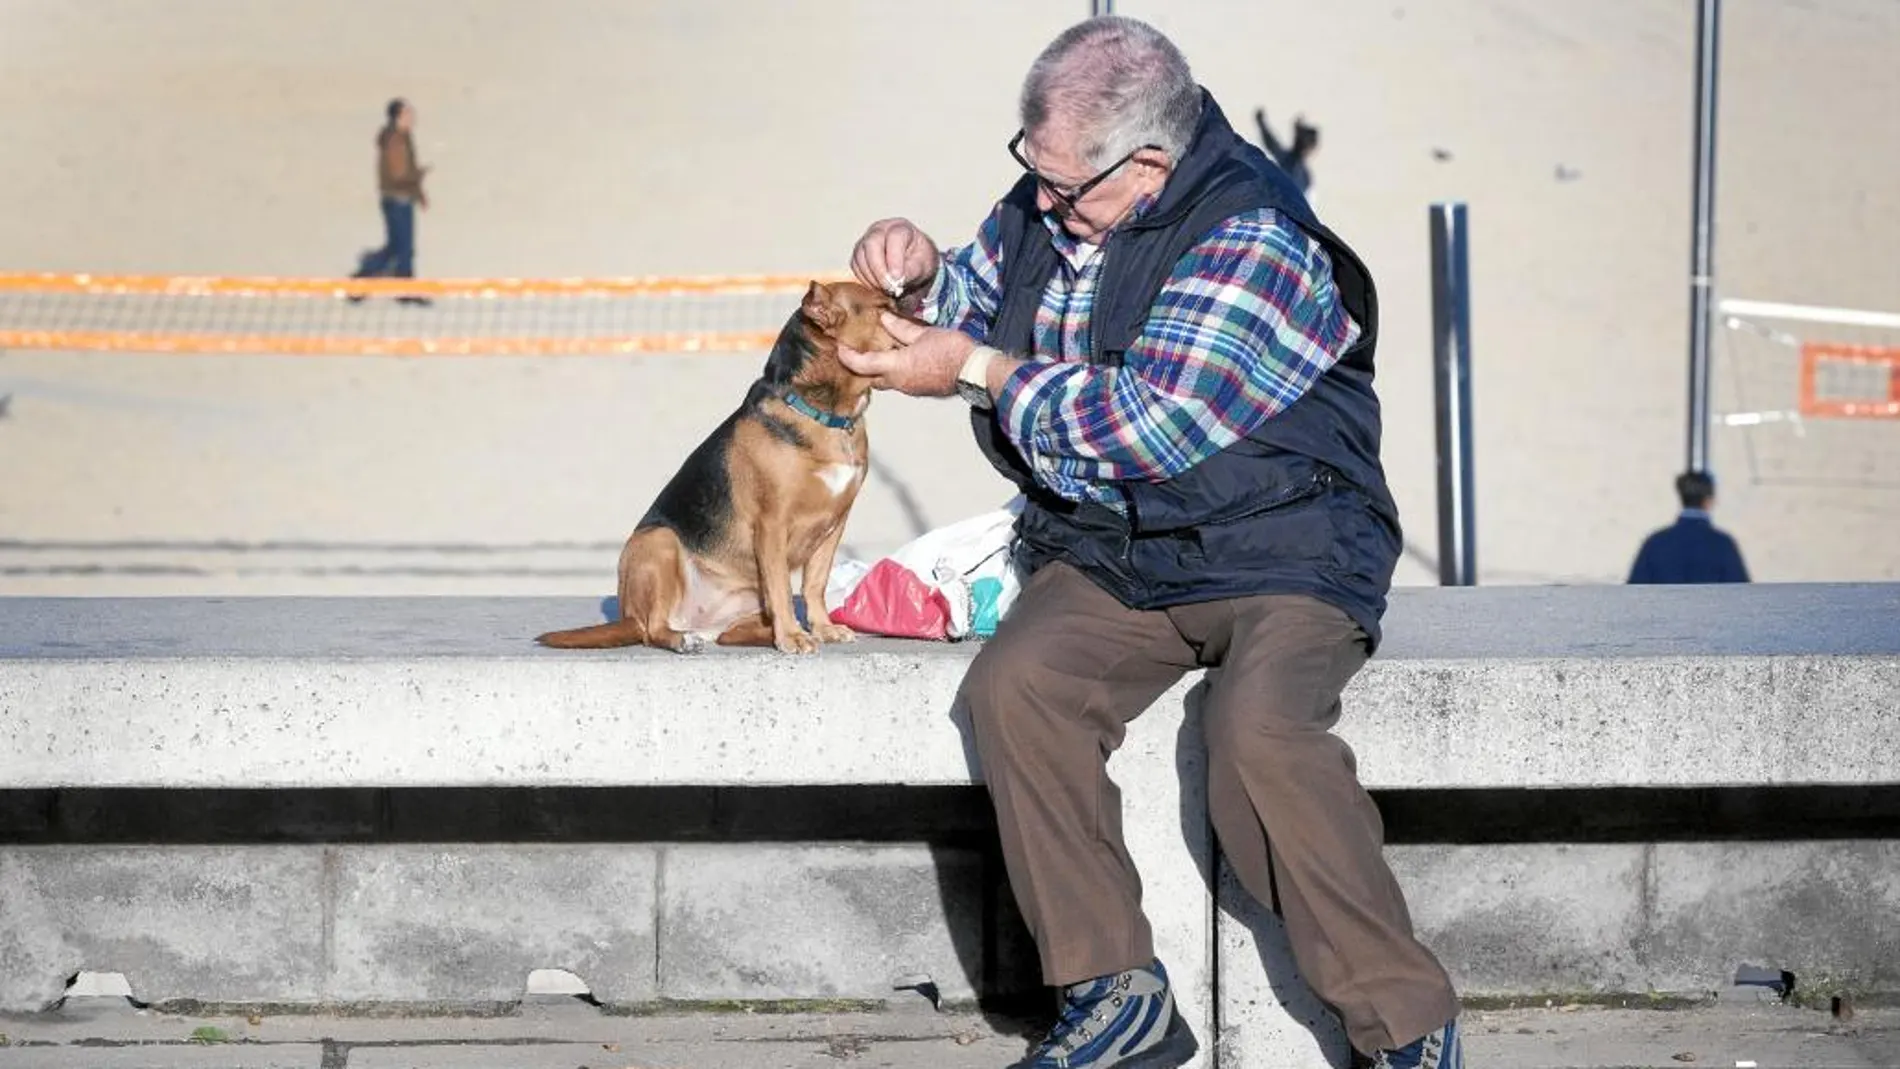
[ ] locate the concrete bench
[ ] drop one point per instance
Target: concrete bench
(1496, 688)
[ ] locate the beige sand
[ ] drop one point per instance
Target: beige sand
(579, 137)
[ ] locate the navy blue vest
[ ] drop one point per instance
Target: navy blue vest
(1300, 506)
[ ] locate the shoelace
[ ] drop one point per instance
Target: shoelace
(1432, 1053)
(1072, 1025)
(1071, 1030)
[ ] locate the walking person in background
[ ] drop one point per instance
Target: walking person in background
(399, 180)
(1691, 550)
(1291, 159)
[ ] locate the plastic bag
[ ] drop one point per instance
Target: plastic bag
(892, 600)
(968, 566)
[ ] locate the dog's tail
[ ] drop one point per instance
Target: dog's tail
(623, 632)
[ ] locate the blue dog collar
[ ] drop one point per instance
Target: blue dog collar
(807, 409)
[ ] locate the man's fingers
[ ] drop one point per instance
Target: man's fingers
(893, 252)
(922, 262)
(868, 258)
(905, 331)
(868, 365)
(861, 265)
(896, 255)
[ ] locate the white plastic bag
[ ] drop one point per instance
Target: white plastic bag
(971, 562)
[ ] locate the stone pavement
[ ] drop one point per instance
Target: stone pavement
(557, 1033)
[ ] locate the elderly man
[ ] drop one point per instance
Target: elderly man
(1173, 358)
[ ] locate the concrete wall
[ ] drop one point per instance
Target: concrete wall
(1602, 789)
(1665, 917)
(465, 924)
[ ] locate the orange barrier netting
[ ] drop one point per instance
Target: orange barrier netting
(1867, 386)
(396, 317)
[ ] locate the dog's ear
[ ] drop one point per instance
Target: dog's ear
(820, 308)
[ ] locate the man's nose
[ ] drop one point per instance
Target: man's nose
(1045, 201)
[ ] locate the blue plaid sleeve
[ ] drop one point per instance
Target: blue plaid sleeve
(967, 290)
(1248, 321)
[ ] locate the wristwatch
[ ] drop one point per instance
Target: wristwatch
(973, 383)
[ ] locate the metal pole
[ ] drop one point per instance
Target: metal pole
(1101, 7)
(1708, 23)
(1451, 389)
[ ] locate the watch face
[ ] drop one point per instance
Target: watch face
(971, 392)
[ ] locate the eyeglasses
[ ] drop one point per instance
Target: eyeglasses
(1068, 198)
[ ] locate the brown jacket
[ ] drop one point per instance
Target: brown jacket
(397, 174)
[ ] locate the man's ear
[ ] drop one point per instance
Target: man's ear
(820, 309)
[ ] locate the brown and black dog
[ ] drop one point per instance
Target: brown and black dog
(763, 498)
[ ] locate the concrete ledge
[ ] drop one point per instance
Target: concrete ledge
(876, 716)
(1504, 687)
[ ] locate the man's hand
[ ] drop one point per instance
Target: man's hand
(926, 366)
(894, 252)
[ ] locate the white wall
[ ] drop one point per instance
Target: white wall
(575, 137)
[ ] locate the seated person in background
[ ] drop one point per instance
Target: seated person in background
(1691, 550)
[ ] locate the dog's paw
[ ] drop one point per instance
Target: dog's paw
(691, 643)
(834, 633)
(796, 642)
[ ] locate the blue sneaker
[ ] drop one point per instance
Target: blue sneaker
(1443, 1049)
(1126, 1020)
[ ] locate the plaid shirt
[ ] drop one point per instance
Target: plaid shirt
(1247, 322)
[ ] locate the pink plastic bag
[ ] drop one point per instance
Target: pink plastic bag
(892, 600)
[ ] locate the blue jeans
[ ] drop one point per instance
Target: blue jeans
(397, 257)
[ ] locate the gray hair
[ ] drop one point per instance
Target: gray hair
(1121, 83)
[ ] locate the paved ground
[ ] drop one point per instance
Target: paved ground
(565, 1034)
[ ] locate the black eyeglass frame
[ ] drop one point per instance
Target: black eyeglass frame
(1069, 198)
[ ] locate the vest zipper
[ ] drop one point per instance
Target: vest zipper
(1320, 481)
(1128, 529)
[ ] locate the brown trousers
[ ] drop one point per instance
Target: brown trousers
(1050, 697)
